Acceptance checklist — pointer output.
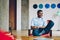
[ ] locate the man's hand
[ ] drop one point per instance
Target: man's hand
(34, 27)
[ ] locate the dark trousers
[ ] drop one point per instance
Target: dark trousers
(36, 32)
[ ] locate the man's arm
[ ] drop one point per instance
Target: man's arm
(35, 27)
(42, 27)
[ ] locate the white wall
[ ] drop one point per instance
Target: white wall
(55, 33)
(48, 13)
(4, 14)
(18, 15)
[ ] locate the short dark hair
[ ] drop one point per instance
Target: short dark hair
(39, 11)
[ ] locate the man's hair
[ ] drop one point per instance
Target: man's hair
(39, 11)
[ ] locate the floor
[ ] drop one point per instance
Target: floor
(23, 35)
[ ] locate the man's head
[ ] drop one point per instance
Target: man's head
(39, 13)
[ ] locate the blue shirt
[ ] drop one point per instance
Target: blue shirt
(38, 22)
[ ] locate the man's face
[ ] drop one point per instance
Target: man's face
(40, 14)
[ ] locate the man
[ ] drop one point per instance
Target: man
(39, 26)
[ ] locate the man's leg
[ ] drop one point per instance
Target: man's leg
(35, 32)
(47, 28)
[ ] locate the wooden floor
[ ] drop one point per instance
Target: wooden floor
(23, 35)
(31, 38)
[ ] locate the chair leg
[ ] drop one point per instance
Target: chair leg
(29, 32)
(50, 33)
